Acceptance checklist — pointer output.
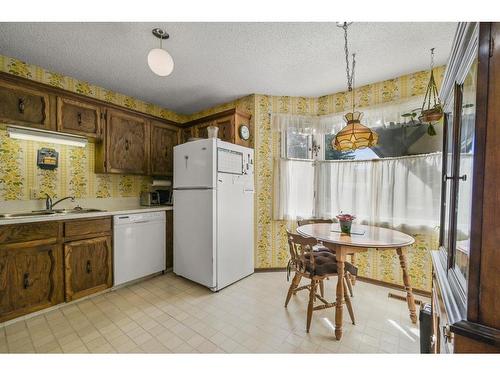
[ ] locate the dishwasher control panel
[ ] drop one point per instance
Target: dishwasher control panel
(138, 218)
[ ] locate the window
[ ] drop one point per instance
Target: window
(314, 180)
(298, 144)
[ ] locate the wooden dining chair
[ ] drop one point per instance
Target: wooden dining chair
(316, 266)
(351, 280)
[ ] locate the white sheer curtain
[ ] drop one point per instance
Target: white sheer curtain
(294, 189)
(400, 192)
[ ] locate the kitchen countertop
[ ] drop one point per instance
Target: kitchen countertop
(110, 212)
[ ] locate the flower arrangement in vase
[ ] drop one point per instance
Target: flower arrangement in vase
(345, 221)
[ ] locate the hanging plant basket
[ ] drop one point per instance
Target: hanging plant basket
(432, 110)
(433, 114)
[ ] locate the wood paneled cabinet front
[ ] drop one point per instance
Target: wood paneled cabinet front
(78, 117)
(26, 106)
(30, 279)
(126, 145)
(87, 266)
(229, 124)
(163, 140)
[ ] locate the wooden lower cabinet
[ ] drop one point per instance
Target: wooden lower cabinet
(87, 266)
(31, 278)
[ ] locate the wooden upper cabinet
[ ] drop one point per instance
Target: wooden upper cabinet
(127, 144)
(186, 133)
(25, 106)
(226, 128)
(78, 117)
(201, 129)
(30, 279)
(228, 122)
(87, 266)
(163, 140)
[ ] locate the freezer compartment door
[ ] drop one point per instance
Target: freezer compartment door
(194, 235)
(195, 164)
(235, 237)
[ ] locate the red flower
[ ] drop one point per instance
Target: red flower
(346, 217)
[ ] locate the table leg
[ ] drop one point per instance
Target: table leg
(406, 280)
(352, 277)
(339, 306)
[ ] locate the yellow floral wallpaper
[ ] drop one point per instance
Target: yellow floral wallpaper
(38, 74)
(270, 240)
(19, 176)
(20, 179)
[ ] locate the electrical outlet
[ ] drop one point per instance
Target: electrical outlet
(34, 193)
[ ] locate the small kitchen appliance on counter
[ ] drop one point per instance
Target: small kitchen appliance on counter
(150, 198)
(159, 194)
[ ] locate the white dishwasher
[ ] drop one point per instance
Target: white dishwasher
(139, 245)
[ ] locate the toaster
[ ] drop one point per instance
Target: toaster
(150, 198)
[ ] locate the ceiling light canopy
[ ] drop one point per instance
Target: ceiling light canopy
(28, 134)
(159, 60)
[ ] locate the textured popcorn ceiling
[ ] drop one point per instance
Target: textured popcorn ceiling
(218, 62)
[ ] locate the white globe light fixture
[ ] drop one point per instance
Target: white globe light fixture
(159, 60)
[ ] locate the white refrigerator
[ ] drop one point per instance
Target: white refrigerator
(213, 212)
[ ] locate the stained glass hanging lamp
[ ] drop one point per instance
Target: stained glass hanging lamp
(354, 135)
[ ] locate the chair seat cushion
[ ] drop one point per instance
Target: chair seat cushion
(326, 264)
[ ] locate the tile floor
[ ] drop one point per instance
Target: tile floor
(168, 314)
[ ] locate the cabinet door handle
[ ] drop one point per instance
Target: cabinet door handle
(462, 177)
(126, 145)
(79, 118)
(26, 280)
(88, 268)
(21, 105)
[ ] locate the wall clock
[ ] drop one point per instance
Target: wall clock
(244, 132)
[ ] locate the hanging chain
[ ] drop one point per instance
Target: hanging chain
(432, 59)
(349, 70)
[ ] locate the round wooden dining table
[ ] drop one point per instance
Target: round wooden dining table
(362, 238)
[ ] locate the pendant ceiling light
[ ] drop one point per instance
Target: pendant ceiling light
(159, 60)
(354, 135)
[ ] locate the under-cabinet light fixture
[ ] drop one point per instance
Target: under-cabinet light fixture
(30, 134)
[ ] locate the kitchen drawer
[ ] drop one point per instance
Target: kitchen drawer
(15, 233)
(79, 228)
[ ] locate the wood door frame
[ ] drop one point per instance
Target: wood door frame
(483, 73)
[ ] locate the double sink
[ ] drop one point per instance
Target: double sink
(70, 211)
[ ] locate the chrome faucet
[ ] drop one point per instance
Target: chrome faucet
(48, 201)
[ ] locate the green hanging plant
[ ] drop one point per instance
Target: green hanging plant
(431, 130)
